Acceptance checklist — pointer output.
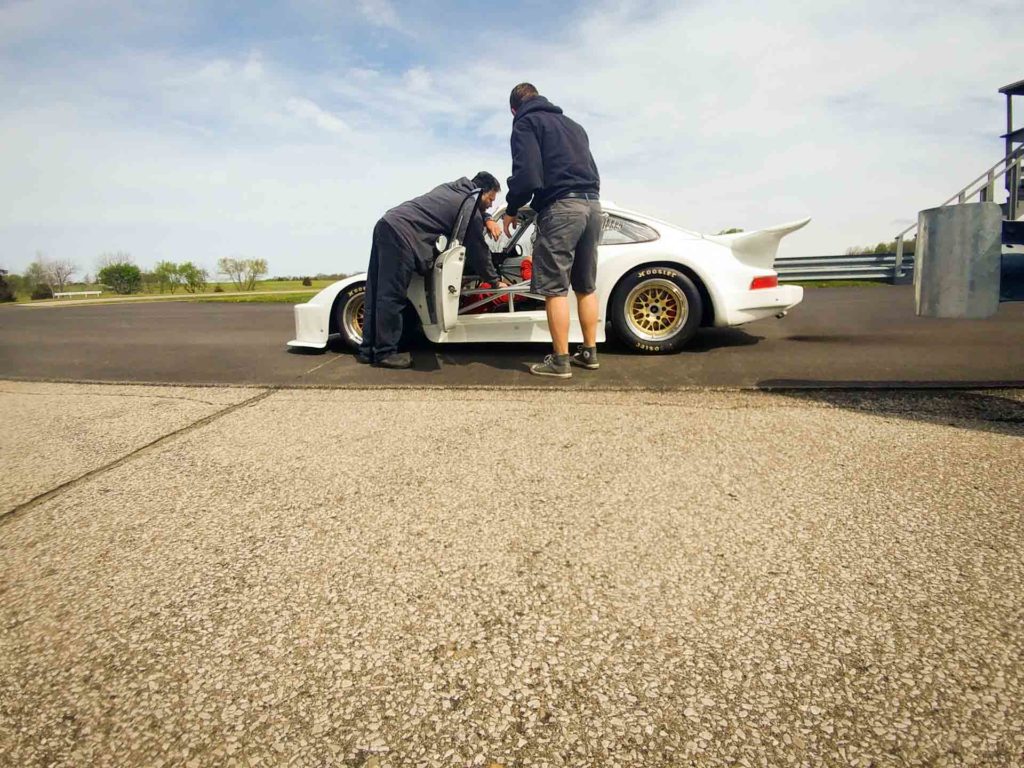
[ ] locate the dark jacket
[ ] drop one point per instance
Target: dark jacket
(420, 221)
(550, 157)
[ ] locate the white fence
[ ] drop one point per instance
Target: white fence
(76, 294)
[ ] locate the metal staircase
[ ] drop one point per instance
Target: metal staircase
(1008, 168)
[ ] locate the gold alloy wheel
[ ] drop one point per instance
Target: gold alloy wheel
(656, 310)
(353, 317)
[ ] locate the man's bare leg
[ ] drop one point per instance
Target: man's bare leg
(557, 308)
(587, 306)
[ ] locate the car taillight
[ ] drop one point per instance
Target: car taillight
(764, 282)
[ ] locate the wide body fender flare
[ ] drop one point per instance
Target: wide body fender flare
(313, 319)
(613, 269)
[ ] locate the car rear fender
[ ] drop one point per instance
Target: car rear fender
(614, 270)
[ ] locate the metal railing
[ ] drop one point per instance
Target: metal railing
(860, 266)
(984, 187)
(75, 294)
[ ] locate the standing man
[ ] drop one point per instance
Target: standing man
(552, 164)
(404, 242)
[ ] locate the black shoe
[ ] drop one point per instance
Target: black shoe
(586, 357)
(398, 360)
(363, 359)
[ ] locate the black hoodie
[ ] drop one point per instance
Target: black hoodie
(550, 157)
(420, 221)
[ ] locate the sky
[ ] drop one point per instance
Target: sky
(192, 130)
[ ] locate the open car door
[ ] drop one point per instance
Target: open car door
(446, 277)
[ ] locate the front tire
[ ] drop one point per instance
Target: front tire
(656, 310)
(349, 314)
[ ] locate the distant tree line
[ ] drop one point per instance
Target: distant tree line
(118, 272)
(889, 247)
(6, 292)
(40, 280)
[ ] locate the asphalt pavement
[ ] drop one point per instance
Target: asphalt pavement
(836, 337)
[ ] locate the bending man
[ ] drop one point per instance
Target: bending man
(552, 164)
(404, 242)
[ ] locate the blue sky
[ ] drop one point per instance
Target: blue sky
(195, 130)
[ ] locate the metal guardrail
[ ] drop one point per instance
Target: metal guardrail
(861, 266)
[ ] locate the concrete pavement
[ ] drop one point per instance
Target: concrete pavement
(53, 433)
(390, 578)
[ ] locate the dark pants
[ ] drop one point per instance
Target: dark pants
(392, 265)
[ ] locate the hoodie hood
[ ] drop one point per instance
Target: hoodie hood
(536, 104)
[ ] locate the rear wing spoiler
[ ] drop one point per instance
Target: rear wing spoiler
(758, 249)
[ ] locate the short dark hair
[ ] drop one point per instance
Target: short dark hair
(521, 93)
(486, 182)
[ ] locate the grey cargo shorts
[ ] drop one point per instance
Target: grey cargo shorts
(566, 249)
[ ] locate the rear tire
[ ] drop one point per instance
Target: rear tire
(656, 310)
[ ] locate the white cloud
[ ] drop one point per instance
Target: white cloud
(711, 115)
(309, 110)
(24, 20)
(380, 13)
(253, 67)
(749, 113)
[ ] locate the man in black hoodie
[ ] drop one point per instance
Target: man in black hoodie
(404, 242)
(552, 164)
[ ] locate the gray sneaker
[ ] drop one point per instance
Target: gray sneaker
(553, 365)
(586, 357)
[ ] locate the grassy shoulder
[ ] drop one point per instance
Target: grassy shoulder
(272, 285)
(263, 291)
(278, 297)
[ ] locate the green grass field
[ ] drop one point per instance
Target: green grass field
(283, 297)
(274, 285)
(288, 289)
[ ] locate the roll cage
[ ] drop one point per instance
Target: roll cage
(516, 287)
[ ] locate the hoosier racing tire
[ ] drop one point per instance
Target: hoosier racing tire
(349, 312)
(656, 310)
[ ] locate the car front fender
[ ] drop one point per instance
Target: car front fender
(313, 319)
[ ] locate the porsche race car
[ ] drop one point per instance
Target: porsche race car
(657, 284)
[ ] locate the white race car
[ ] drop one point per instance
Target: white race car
(656, 285)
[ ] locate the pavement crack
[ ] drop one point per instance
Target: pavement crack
(318, 367)
(26, 506)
